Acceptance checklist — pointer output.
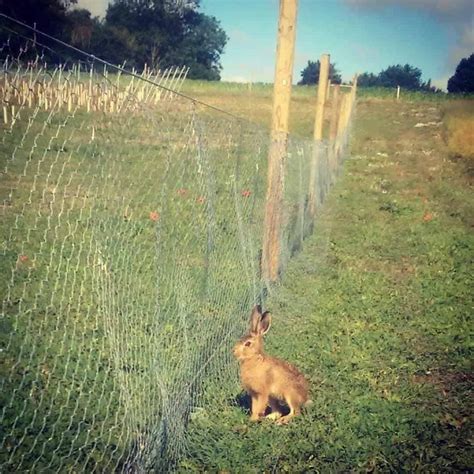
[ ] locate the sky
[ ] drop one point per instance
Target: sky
(360, 35)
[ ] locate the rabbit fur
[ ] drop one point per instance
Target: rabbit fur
(267, 379)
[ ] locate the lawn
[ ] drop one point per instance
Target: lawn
(130, 250)
(377, 311)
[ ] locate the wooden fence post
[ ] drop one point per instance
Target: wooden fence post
(354, 87)
(334, 113)
(333, 130)
(347, 101)
(318, 133)
(272, 226)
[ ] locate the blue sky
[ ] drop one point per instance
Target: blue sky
(360, 35)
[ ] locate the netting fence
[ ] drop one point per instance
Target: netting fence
(131, 241)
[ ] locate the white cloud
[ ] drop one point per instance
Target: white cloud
(99, 7)
(96, 7)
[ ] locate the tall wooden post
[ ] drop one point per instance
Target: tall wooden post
(277, 151)
(333, 130)
(354, 87)
(321, 101)
(318, 133)
(343, 119)
(334, 113)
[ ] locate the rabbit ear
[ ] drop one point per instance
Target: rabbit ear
(255, 318)
(265, 323)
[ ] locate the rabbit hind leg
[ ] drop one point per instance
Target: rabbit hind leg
(294, 404)
(275, 413)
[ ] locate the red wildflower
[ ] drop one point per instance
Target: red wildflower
(201, 200)
(246, 193)
(23, 258)
(427, 217)
(154, 216)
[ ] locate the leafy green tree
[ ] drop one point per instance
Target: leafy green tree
(463, 79)
(368, 79)
(49, 15)
(81, 27)
(407, 77)
(310, 74)
(427, 87)
(161, 33)
(201, 48)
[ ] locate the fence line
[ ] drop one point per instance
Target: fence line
(131, 248)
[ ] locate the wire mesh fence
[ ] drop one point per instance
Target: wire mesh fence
(131, 243)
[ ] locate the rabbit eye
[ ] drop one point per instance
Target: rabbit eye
(248, 343)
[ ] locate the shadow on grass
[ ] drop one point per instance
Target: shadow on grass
(244, 402)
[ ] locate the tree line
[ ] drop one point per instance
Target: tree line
(159, 33)
(405, 76)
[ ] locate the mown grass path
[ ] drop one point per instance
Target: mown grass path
(377, 311)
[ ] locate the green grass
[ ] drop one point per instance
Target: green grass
(377, 311)
(374, 310)
(130, 248)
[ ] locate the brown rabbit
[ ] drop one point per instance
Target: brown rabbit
(268, 379)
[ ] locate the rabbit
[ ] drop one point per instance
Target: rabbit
(268, 379)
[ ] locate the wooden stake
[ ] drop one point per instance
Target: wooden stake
(167, 74)
(334, 112)
(333, 129)
(341, 122)
(170, 94)
(354, 87)
(272, 226)
(318, 134)
(321, 101)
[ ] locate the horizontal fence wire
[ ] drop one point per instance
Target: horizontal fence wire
(131, 240)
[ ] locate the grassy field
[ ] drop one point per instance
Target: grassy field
(129, 255)
(459, 121)
(376, 310)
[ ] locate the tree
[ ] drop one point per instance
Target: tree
(81, 27)
(368, 79)
(201, 48)
(310, 74)
(463, 79)
(406, 76)
(163, 33)
(48, 15)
